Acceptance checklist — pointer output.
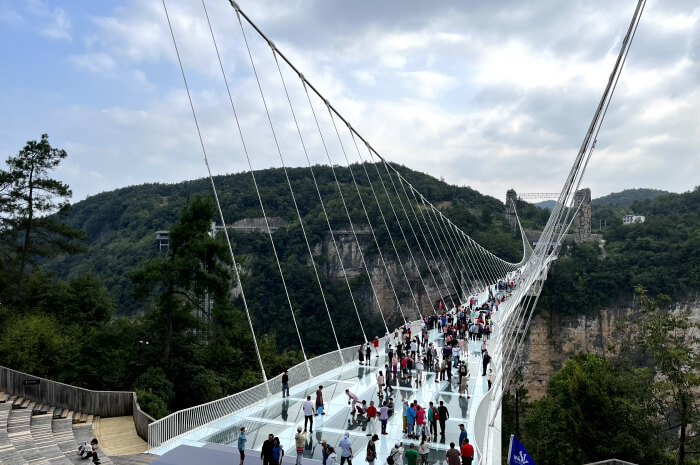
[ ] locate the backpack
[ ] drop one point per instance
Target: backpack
(83, 449)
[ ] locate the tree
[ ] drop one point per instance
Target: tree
(28, 195)
(193, 275)
(594, 411)
(671, 340)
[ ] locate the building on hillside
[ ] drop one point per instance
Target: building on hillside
(163, 240)
(629, 219)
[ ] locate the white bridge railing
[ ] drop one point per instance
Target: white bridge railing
(170, 428)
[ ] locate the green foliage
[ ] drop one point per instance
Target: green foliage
(627, 197)
(671, 340)
(594, 411)
(27, 196)
(121, 224)
(152, 403)
(662, 255)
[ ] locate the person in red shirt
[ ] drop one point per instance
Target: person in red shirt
(371, 418)
(375, 343)
(467, 451)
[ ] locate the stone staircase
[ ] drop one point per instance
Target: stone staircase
(39, 434)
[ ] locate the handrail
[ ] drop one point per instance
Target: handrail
(169, 428)
(61, 395)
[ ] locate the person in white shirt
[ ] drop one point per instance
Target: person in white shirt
(308, 408)
(419, 370)
(380, 383)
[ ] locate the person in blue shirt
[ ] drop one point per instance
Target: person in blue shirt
(410, 419)
(241, 443)
(345, 449)
(277, 451)
(462, 434)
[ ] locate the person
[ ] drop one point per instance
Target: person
(484, 348)
(432, 419)
(384, 416)
(93, 452)
(325, 451)
(453, 456)
(266, 451)
(405, 415)
(285, 384)
(390, 406)
(395, 453)
(419, 371)
(361, 357)
(412, 455)
(467, 452)
(371, 418)
(308, 409)
(368, 353)
(464, 385)
(462, 435)
(241, 443)
(362, 408)
(421, 430)
(380, 384)
(332, 457)
(485, 361)
(491, 378)
(299, 440)
(277, 452)
(443, 416)
(372, 450)
(375, 343)
(345, 449)
(319, 402)
(410, 419)
(351, 397)
(423, 451)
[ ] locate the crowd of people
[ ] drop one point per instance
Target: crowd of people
(409, 354)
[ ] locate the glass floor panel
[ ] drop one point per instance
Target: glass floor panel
(280, 416)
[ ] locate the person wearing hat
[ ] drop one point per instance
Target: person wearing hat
(345, 449)
(462, 435)
(372, 450)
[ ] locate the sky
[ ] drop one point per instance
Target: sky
(492, 95)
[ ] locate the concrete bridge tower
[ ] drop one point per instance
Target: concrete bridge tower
(582, 222)
(511, 198)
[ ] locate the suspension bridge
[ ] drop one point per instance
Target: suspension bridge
(420, 258)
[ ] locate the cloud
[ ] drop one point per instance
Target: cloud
(492, 96)
(54, 23)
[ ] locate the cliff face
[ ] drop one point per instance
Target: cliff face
(553, 339)
(389, 293)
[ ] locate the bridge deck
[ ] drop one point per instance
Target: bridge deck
(280, 416)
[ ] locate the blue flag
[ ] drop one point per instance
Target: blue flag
(517, 455)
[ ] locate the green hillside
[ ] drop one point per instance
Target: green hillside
(627, 197)
(661, 254)
(121, 224)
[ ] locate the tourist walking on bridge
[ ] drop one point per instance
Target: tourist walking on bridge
(485, 361)
(285, 384)
(319, 402)
(299, 440)
(380, 385)
(345, 449)
(241, 443)
(308, 409)
(467, 452)
(372, 450)
(453, 456)
(266, 451)
(443, 416)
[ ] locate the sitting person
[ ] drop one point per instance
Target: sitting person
(93, 452)
(362, 409)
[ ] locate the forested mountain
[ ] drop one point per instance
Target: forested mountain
(627, 197)
(662, 255)
(121, 224)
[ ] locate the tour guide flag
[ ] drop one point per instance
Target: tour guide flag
(517, 455)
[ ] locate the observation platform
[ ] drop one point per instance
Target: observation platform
(281, 416)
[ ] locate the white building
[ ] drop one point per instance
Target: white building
(629, 219)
